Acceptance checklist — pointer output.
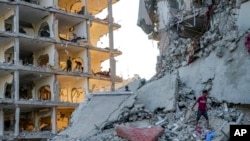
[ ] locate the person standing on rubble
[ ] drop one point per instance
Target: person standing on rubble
(126, 88)
(69, 63)
(202, 107)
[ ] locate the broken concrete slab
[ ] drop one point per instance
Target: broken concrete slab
(127, 103)
(225, 77)
(93, 115)
(133, 86)
(160, 94)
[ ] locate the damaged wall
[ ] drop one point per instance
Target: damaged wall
(217, 59)
(81, 30)
(3, 49)
(5, 79)
(50, 51)
(5, 16)
(229, 75)
(44, 82)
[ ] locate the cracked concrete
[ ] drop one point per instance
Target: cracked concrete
(98, 111)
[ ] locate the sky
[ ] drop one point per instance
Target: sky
(139, 54)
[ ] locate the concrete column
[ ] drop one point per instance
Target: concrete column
(88, 64)
(111, 46)
(55, 96)
(86, 88)
(86, 6)
(53, 89)
(12, 122)
(16, 85)
(16, 20)
(16, 30)
(1, 122)
(17, 118)
(54, 120)
(16, 52)
(36, 121)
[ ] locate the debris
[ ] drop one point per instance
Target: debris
(210, 135)
(139, 134)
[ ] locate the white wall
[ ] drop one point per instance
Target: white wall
(46, 3)
(163, 13)
(50, 50)
(3, 17)
(3, 48)
(42, 82)
(67, 87)
(81, 29)
(8, 78)
(50, 22)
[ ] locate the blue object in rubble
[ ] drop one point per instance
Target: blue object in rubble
(209, 136)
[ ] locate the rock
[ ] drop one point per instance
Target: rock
(139, 134)
(232, 47)
(227, 117)
(181, 104)
(230, 59)
(219, 52)
(184, 63)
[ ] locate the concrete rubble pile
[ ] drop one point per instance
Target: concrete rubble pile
(178, 126)
(177, 123)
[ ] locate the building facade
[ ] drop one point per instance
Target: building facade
(49, 61)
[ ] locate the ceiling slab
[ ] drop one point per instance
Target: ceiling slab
(66, 22)
(96, 6)
(37, 14)
(6, 7)
(32, 45)
(98, 30)
(102, 55)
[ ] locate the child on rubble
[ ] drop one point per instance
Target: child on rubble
(202, 108)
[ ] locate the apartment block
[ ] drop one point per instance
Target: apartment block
(49, 62)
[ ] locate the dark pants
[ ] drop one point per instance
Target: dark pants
(68, 67)
(200, 113)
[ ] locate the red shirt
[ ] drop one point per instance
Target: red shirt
(202, 103)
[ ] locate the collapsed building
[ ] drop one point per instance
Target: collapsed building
(206, 41)
(203, 45)
(39, 90)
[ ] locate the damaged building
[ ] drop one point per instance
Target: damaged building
(205, 41)
(49, 62)
(203, 45)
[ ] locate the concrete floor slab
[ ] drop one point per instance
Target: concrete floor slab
(93, 115)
